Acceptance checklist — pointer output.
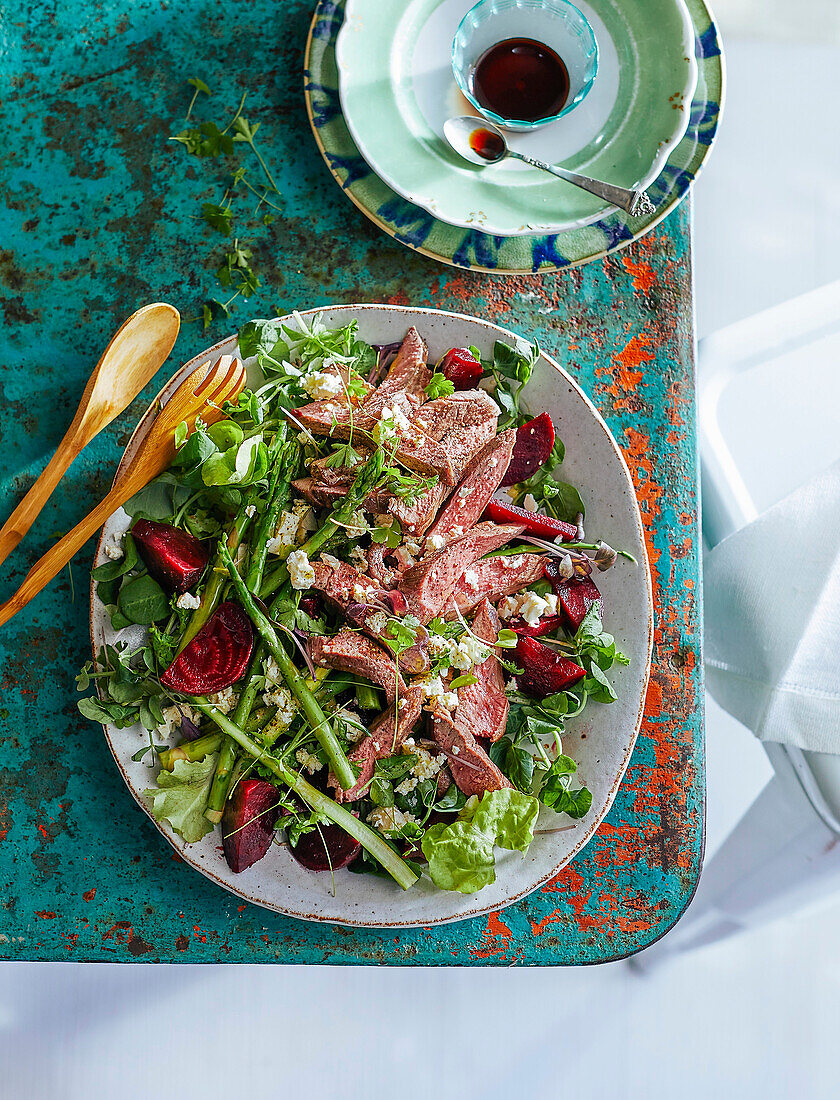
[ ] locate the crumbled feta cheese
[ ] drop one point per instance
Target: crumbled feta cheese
(187, 602)
(224, 700)
(251, 511)
(285, 532)
(469, 651)
(113, 551)
(358, 556)
(529, 503)
(439, 645)
(401, 420)
(281, 698)
(436, 542)
(532, 608)
(301, 573)
(436, 693)
(332, 562)
(404, 557)
(529, 606)
(471, 577)
(508, 607)
(308, 760)
(273, 675)
(456, 749)
(413, 546)
(173, 715)
(407, 785)
(386, 430)
(377, 622)
(457, 532)
(388, 819)
(513, 562)
(353, 727)
(322, 385)
(356, 526)
(427, 766)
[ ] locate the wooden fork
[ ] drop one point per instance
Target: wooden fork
(202, 393)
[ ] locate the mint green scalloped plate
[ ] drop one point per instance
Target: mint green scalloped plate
(397, 91)
(469, 248)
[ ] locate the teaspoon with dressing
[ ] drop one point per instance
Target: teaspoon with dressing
(482, 143)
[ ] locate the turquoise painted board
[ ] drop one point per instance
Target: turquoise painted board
(97, 216)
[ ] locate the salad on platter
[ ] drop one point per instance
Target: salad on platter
(368, 612)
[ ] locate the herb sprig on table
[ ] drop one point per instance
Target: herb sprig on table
(237, 269)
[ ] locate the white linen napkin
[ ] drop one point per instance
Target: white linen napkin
(772, 610)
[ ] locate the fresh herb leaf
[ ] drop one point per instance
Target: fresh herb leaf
(110, 570)
(439, 386)
(142, 600)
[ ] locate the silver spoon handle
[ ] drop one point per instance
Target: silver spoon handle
(635, 202)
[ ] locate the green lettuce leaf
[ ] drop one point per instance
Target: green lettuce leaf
(181, 797)
(461, 855)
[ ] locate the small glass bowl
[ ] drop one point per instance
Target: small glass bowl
(556, 23)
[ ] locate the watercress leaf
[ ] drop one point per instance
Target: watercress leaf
(381, 792)
(563, 499)
(575, 803)
(110, 570)
(159, 500)
(395, 767)
(197, 449)
(198, 84)
(181, 797)
(142, 600)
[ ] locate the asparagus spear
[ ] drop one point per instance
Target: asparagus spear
(382, 852)
(294, 680)
(190, 750)
(341, 515)
(286, 460)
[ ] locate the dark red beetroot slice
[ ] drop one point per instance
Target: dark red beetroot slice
(174, 557)
(461, 367)
(575, 596)
(248, 822)
(311, 605)
(544, 671)
(534, 441)
(326, 847)
(545, 626)
(216, 657)
(544, 527)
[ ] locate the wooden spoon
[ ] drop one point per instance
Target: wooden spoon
(136, 351)
(202, 393)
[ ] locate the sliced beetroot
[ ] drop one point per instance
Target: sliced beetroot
(248, 822)
(534, 441)
(544, 671)
(327, 847)
(216, 657)
(575, 596)
(545, 527)
(175, 558)
(461, 367)
(545, 626)
(312, 605)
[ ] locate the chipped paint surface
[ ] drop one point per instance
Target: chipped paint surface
(96, 210)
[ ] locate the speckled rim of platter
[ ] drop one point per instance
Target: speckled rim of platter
(468, 248)
(275, 885)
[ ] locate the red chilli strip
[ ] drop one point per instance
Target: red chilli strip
(534, 523)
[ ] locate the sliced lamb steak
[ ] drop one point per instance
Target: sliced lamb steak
(472, 769)
(382, 740)
(350, 652)
(429, 584)
(492, 579)
(481, 479)
(483, 706)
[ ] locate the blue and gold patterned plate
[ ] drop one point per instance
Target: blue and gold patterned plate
(469, 248)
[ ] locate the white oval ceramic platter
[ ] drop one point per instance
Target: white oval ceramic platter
(601, 741)
(397, 90)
